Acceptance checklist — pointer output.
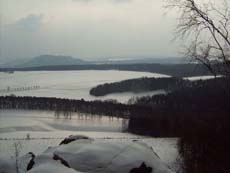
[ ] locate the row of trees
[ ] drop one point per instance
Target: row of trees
(65, 106)
(26, 88)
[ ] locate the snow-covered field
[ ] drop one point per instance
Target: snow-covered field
(42, 127)
(92, 156)
(68, 84)
(37, 130)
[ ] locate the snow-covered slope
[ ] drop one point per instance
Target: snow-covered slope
(87, 155)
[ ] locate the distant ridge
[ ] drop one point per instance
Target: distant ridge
(45, 60)
(52, 60)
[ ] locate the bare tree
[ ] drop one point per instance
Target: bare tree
(206, 25)
(17, 150)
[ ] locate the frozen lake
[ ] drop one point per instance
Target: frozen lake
(68, 84)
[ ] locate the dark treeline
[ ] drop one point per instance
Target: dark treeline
(109, 108)
(139, 85)
(198, 95)
(200, 116)
(177, 70)
(200, 100)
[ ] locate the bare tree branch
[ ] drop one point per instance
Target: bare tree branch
(207, 26)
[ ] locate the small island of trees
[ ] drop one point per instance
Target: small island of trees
(139, 85)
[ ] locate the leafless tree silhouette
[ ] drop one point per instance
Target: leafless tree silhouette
(206, 24)
(17, 149)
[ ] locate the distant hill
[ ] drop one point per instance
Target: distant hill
(45, 60)
(52, 60)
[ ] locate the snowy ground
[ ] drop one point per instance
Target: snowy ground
(37, 130)
(93, 156)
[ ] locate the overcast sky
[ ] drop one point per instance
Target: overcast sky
(85, 28)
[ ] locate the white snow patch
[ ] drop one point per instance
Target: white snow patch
(52, 167)
(86, 155)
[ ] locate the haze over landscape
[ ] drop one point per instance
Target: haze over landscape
(86, 29)
(114, 86)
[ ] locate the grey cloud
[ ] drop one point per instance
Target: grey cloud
(99, 28)
(31, 22)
